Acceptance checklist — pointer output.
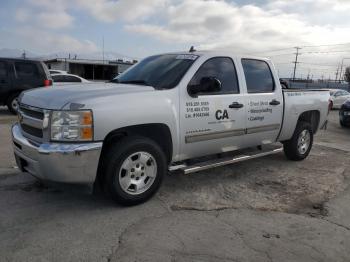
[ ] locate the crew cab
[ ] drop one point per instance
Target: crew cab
(185, 111)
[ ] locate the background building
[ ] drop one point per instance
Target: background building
(90, 69)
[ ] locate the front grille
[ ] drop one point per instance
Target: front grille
(32, 131)
(32, 121)
(31, 113)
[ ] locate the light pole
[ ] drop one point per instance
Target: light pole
(341, 67)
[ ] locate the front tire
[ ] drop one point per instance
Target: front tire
(299, 146)
(12, 104)
(135, 168)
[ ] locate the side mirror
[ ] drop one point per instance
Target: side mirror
(206, 85)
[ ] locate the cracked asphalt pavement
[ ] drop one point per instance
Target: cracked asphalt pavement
(267, 209)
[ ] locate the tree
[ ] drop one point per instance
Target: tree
(347, 75)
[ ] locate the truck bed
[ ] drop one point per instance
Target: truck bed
(297, 101)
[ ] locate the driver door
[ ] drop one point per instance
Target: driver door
(212, 121)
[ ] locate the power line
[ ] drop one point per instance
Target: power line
(325, 45)
(280, 54)
(302, 46)
(326, 65)
(327, 52)
(273, 50)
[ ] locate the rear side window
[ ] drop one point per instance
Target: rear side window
(258, 76)
(58, 78)
(72, 79)
(24, 69)
(65, 78)
(3, 70)
(221, 68)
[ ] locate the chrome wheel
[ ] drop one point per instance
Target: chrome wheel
(137, 173)
(304, 141)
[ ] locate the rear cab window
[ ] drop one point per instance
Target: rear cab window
(258, 76)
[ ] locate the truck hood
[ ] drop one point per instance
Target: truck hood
(58, 97)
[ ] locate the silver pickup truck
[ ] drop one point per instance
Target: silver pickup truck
(185, 111)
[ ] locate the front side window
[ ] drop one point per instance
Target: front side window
(221, 68)
(258, 76)
(24, 69)
(160, 71)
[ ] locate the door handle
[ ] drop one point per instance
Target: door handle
(236, 105)
(274, 102)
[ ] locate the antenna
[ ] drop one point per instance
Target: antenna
(192, 49)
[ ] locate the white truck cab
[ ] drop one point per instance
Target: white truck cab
(165, 113)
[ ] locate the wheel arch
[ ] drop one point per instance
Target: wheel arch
(158, 132)
(312, 117)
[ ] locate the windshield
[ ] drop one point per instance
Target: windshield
(160, 71)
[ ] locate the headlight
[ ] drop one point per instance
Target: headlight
(72, 125)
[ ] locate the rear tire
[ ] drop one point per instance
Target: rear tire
(12, 103)
(299, 146)
(135, 167)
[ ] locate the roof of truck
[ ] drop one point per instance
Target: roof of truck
(220, 53)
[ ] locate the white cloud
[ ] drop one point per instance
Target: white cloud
(127, 10)
(219, 24)
(45, 17)
(55, 20)
(207, 24)
(22, 15)
(47, 41)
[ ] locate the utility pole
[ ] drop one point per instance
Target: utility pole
(296, 61)
(341, 67)
(103, 49)
(337, 73)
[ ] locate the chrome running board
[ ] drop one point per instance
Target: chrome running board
(243, 156)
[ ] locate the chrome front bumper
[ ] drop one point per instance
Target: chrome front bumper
(57, 162)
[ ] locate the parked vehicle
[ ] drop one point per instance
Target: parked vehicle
(338, 97)
(64, 79)
(17, 75)
(344, 114)
(165, 113)
(54, 71)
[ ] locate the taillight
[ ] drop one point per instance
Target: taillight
(47, 82)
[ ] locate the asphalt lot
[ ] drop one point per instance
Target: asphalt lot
(268, 209)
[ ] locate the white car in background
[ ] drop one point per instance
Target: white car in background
(54, 71)
(64, 79)
(338, 97)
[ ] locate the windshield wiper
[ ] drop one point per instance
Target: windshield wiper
(137, 82)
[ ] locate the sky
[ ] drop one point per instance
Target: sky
(138, 28)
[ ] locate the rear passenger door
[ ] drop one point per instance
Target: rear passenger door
(213, 122)
(264, 103)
